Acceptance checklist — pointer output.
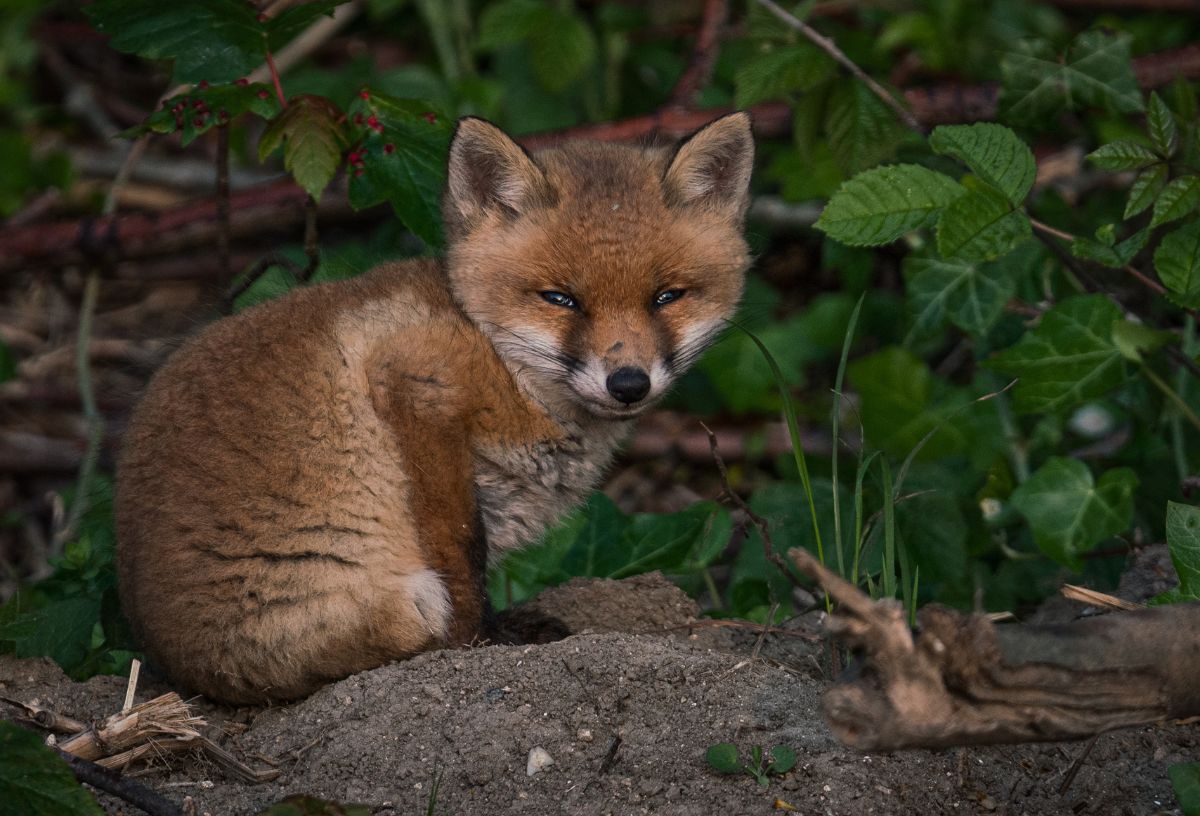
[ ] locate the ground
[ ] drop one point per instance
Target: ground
(625, 711)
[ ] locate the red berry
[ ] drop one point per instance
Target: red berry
(373, 120)
(198, 122)
(431, 118)
(243, 82)
(364, 94)
(358, 119)
(177, 108)
(263, 94)
(389, 148)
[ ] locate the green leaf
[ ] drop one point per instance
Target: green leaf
(783, 759)
(880, 205)
(1095, 73)
(34, 781)
(970, 294)
(213, 40)
(664, 541)
(510, 22)
(861, 130)
(1068, 359)
(299, 804)
(291, 21)
(1123, 155)
(1069, 512)
(1183, 541)
(1113, 256)
(775, 73)
(1145, 189)
(61, 630)
(402, 160)
(1177, 261)
(199, 111)
(723, 757)
(1160, 123)
(1179, 198)
(1134, 340)
(561, 45)
(1185, 780)
(980, 226)
(993, 152)
(311, 133)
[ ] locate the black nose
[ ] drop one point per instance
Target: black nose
(628, 384)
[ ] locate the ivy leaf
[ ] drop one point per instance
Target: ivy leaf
(993, 152)
(1179, 198)
(401, 160)
(1183, 540)
(970, 294)
(1069, 512)
(861, 130)
(1068, 359)
(1145, 190)
(880, 205)
(311, 132)
(1177, 261)
(35, 781)
(980, 225)
(1123, 155)
(1113, 256)
(1096, 72)
(200, 110)
(1160, 123)
(780, 71)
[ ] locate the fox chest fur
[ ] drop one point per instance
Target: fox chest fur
(314, 487)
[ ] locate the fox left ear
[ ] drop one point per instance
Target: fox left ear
(711, 168)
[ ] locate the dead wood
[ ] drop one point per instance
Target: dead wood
(129, 790)
(166, 716)
(960, 680)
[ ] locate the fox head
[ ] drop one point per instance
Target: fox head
(599, 272)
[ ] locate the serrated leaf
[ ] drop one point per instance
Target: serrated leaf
(1183, 542)
(1135, 339)
(723, 757)
(1185, 781)
(200, 110)
(410, 175)
(34, 781)
(1123, 155)
(880, 205)
(1096, 72)
(993, 152)
(1068, 359)
(311, 132)
(1177, 261)
(1160, 123)
(1178, 199)
(1114, 256)
(861, 130)
(1145, 189)
(780, 71)
(291, 21)
(783, 759)
(980, 226)
(971, 295)
(1069, 512)
(213, 40)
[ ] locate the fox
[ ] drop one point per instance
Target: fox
(315, 486)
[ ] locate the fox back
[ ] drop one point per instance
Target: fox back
(312, 487)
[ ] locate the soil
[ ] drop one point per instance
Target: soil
(625, 709)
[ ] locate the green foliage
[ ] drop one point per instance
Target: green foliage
(1183, 542)
(878, 206)
(34, 781)
(1177, 261)
(1185, 779)
(310, 131)
(724, 758)
(198, 111)
(993, 152)
(561, 45)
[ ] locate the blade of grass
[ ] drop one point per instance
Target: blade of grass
(863, 466)
(837, 415)
(889, 532)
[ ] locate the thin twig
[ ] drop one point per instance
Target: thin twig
(311, 247)
(830, 47)
(122, 787)
(1149, 283)
(256, 272)
(225, 225)
(704, 55)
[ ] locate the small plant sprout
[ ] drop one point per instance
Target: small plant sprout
(725, 758)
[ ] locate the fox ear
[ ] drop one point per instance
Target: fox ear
(488, 171)
(711, 168)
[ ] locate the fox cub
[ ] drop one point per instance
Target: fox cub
(313, 487)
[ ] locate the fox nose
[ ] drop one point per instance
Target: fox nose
(628, 384)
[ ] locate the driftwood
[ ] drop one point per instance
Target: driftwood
(960, 680)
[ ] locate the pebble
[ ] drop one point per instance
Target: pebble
(539, 758)
(584, 735)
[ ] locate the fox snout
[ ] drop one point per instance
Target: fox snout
(629, 384)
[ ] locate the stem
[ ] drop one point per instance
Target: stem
(830, 47)
(1016, 446)
(1149, 283)
(95, 423)
(311, 248)
(275, 80)
(223, 219)
(711, 586)
(1170, 394)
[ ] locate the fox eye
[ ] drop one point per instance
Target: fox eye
(559, 299)
(663, 298)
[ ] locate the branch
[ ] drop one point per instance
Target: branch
(122, 787)
(704, 56)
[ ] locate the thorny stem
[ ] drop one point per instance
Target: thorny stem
(830, 47)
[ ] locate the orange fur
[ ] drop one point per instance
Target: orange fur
(310, 488)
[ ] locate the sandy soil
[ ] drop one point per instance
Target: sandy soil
(626, 717)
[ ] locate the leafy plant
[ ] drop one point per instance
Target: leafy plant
(724, 758)
(36, 781)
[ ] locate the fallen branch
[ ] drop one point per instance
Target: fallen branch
(960, 680)
(122, 787)
(166, 716)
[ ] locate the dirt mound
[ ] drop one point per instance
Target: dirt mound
(625, 720)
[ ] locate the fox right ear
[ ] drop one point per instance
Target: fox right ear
(489, 172)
